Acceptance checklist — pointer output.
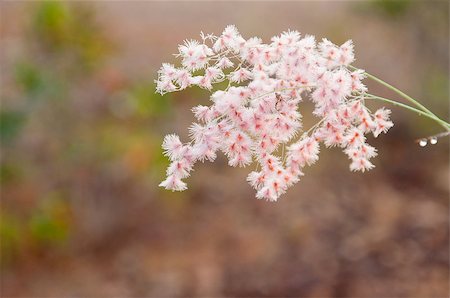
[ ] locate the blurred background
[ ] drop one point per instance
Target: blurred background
(81, 129)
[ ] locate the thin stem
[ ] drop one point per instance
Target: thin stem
(406, 96)
(434, 137)
(281, 90)
(440, 135)
(315, 126)
(426, 114)
(396, 90)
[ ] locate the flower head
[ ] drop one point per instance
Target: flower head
(257, 119)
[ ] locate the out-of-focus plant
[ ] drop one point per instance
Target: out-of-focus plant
(392, 8)
(50, 223)
(68, 121)
(144, 102)
(46, 227)
(64, 49)
(69, 31)
(10, 235)
(10, 124)
(30, 78)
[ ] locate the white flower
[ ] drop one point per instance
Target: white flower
(230, 39)
(173, 183)
(354, 137)
(202, 113)
(240, 75)
(224, 62)
(179, 168)
(256, 118)
(194, 54)
(304, 152)
(361, 164)
(382, 123)
(173, 148)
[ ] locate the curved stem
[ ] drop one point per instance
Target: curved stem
(407, 97)
(426, 114)
(401, 93)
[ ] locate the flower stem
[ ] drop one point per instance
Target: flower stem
(426, 114)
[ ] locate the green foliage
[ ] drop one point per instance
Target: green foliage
(69, 29)
(46, 229)
(146, 103)
(11, 123)
(392, 8)
(51, 23)
(29, 77)
(38, 82)
(9, 172)
(49, 224)
(87, 40)
(56, 81)
(9, 238)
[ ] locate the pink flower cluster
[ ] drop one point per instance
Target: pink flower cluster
(256, 117)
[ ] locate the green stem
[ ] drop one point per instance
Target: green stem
(426, 114)
(407, 97)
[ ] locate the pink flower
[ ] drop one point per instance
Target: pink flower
(173, 183)
(194, 55)
(224, 62)
(382, 123)
(240, 75)
(304, 152)
(256, 118)
(173, 148)
(361, 164)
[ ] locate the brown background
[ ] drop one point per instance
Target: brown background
(81, 129)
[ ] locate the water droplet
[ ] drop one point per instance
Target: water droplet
(423, 143)
(433, 141)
